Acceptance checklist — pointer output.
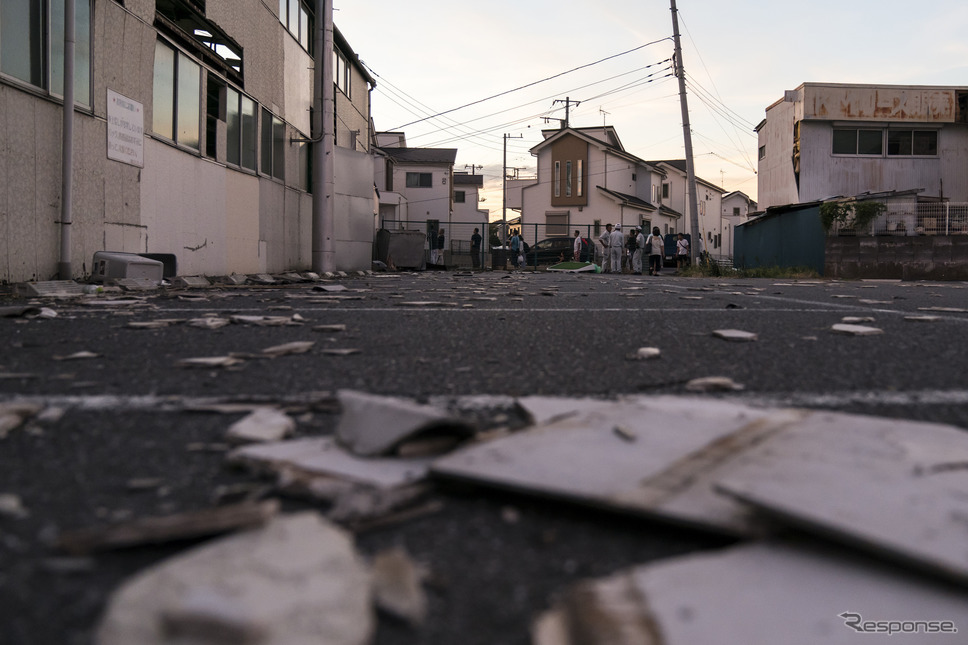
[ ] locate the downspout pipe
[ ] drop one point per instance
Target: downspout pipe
(64, 270)
(323, 158)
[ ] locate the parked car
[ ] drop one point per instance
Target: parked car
(550, 250)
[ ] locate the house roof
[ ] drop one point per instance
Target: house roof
(422, 155)
(637, 202)
(680, 165)
(582, 134)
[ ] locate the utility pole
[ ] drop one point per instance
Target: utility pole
(568, 103)
(504, 190)
(687, 140)
(473, 168)
(324, 109)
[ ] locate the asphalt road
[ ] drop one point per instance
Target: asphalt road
(429, 335)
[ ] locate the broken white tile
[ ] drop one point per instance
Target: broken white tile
(341, 352)
(661, 474)
(77, 356)
(749, 594)
(856, 330)
(329, 287)
(952, 310)
(545, 409)
(647, 353)
(397, 585)
(262, 321)
(296, 581)
(150, 324)
(322, 455)
(12, 506)
(372, 425)
(330, 328)
(296, 347)
(922, 318)
(891, 486)
(736, 335)
(261, 425)
(856, 320)
(210, 361)
(14, 413)
(713, 384)
(209, 322)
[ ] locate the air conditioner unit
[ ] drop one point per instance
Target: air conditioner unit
(109, 266)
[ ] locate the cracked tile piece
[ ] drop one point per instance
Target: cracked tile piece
(735, 335)
(261, 425)
(397, 586)
(885, 485)
(296, 581)
(286, 349)
(374, 425)
(749, 594)
(713, 384)
(856, 330)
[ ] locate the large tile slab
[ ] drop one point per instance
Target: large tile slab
(654, 456)
(758, 594)
(897, 487)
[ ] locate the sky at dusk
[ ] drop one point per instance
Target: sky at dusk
(463, 75)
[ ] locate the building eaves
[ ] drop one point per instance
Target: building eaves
(344, 46)
(422, 155)
(628, 200)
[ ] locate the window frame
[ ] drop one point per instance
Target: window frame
(302, 14)
(179, 106)
(912, 143)
(557, 179)
(272, 157)
(44, 42)
(419, 179)
(856, 147)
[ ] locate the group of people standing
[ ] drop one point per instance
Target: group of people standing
(616, 247)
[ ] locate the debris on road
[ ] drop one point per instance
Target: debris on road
(398, 585)
(13, 414)
(12, 506)
(375, 425)
(748, 594)
(857, 320)
(856, 330)
(210, 361)
(735, 335)
(76, 356)
(713, 384)
(646, 353)
(261, 425)
(298, 579)
(158, 530)
(329, 328)
(286, 349)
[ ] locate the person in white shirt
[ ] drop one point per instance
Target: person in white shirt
(616, 242)
(606, 239)
(577, 247)
(656, 247)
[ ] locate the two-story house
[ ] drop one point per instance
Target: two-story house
(586, 180)
(824, 140)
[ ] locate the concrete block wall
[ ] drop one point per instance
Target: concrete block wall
(925, 257)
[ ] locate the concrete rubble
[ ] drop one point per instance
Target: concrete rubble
(296, 581)
(261, 425)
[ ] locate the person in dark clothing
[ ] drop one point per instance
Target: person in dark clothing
(440, 246)
(476, 249)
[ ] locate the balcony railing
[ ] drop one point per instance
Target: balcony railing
(915, 219)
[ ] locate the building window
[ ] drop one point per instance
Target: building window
(856, 141)
(921, 143)
(665, 191)
(557, 179)
(762, 153)
(581, 176)
(32, 49)
(655, 192)
(298, 19)
(341, 73)
(176, 105)
(240, 131)
(460, 196)
(556, 224)
(567, 179)
(735, 211)
(273, 145)
(420, 180)
(305, 161)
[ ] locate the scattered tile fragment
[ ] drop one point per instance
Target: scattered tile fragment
(857, 320)
(373, 425)
(748, 594)
(397, 586)
(713, 384)
(12, 506)
(209, 322)
(646, 353)
(262, 321)
(950, 310)
(13, 414)
(922, 318)
(329, 287)
(286, 349)
(210, 361)
(296, 580)
(735, 335)
(341, 352)
(329, 328)
(77, 356)
(158, 530)
(261, 425)
(149, 324)
(856, 330)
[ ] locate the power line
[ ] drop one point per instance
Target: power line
(527, 85)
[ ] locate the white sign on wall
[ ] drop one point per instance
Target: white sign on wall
(126, 130)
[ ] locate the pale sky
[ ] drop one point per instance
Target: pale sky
(436, 56)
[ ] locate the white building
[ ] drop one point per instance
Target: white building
(467, 189)
(824, 139)
(191, 129)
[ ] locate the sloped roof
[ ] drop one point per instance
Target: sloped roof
(680, 165)
(615, 150)
(422, 155)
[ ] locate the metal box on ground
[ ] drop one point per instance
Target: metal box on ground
(109, 266)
